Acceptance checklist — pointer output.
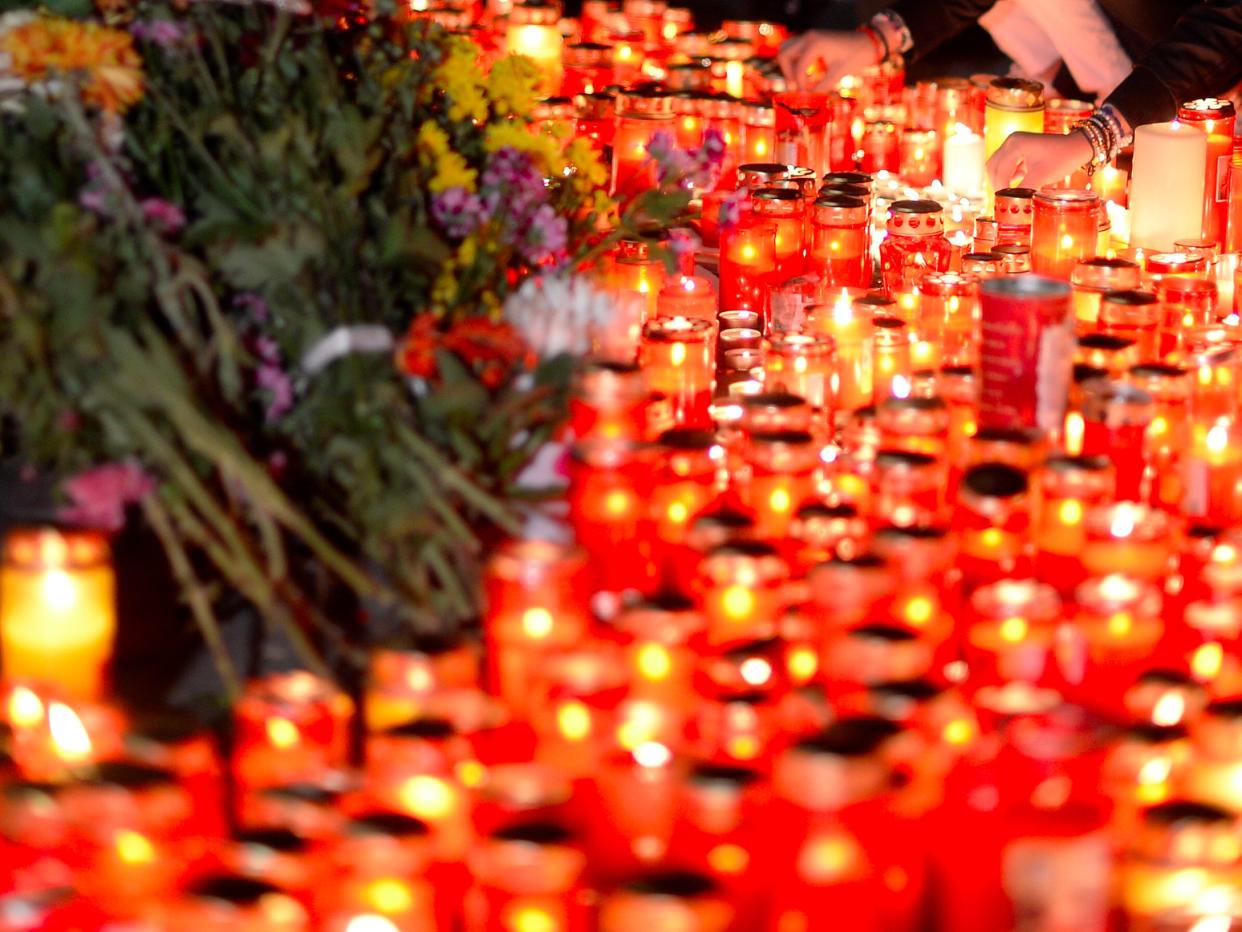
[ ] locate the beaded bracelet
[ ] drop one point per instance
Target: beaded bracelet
(1101, 137)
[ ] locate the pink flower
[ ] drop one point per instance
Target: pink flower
(98, 497)
(164, 215)
(162, 32)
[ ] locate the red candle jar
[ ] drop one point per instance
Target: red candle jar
(588, 68)
(784, 208)
(658, 641)
(610, 401)
(575, 708)
(803, 365)
(1168, 434)
(1069, 487)
(920, 161)
(1063, 231)
(891, 355)
(685, 486)
(1015, 213)
(915, 245)
(401, 679)
(678, 362)
(948, 312)
(909, 488)
(822, 531)
(839, 250)
(688, 296)
(640, 116)
(528, 876)
(984, 264)
(803, 125)
(1093, 278)
(1128, 538)
(758, 132)
(1116, 416)
(993, 520)
(783, 465)
(227, 903)
(747, 265)
(1189, 304)
(1012, 631)
(688, 124)
(955, 106)
(597, 119)
(753, 176)
(1117, 627)
(290, 727)
(640, 276)
(846, 590)
(609, 487)
(378, 869)
(881, 147)
(914, 424)
(1217, 118)
(536, 594)
(1026, 352)
(742, 584)
(687, 902)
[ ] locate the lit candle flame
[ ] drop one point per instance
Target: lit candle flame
(1123, 521)
(69, 736)
(901, 386)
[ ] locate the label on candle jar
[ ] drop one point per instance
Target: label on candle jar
(1026, 352)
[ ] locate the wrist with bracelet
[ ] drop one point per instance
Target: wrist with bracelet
(877, 41)
(1106, 133)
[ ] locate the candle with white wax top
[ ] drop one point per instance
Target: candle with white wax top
(963, 161)
(1166, 188)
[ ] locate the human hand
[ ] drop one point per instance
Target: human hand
(818, 60)
(1036, 159)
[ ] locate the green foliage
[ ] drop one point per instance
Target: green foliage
(291, 146)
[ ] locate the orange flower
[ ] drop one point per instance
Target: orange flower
(106, 58)
(490, 349)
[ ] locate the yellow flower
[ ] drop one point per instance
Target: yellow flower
(435, 152)
(513, 85)
(458, 76)
(106, 59)
(585, 160)
(444, 288)
(467, 252)
(544, 150)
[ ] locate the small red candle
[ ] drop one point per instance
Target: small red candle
(783, 207)
(803, 123)
(688, 296)
(881, 148)
(685, 481)
(839, 245)
(640, 116)
(920, 162)
(758, 132)
(1217, 118)
(1063, 231)
(803, 365)
(609, 487)
(747, 265)
(783, 467)
(1115, 420)
(677, 360)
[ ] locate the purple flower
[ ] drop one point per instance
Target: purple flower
(162, 32)
(547, 235)
(458, 211)
(253, 304)
(94, 200)
(731, 209)
(98, 497)
(272, 379)
(683, 241)
(165, 216)
(512, 180)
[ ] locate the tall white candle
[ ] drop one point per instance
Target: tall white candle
(963, 161)
(1166, 188)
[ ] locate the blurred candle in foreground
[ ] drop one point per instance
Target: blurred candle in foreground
(533, 31)
(57, 609)
(1216, 118)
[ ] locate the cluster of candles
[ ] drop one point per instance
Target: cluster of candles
(904, 587)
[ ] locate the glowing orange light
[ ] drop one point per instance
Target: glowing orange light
(427, 797)
(133, 848)
(618, 502)
(282, 734)
(470, 773)
(780, 501)
(919, 610)
(537, 623)
(728, 859)
(25, 708)
(1013, 630)
(737, 602)
(756, 671)
(69, 736)
(958, 732)
(1207, 661)
(531, 919)
(654, 662)
(389, 895)
(803, 664)
(574, 720)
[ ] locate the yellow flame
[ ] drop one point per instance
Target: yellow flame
(537, 622)
(69, 736)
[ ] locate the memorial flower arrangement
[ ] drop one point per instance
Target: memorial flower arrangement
(254, 266)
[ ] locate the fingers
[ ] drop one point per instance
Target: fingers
(788, 57)
(1007, 166)
(807, 67)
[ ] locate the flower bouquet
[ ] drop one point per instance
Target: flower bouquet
(254, 271)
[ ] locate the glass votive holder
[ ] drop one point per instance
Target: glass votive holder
(783, 466)
(1012, 630)
(527, 876)
(803, 124)
(741, 584)
(748, 265)
(684, 901)
(536, 594)
(223, 902)
(1116, 416)
(948, 314)
(1069, 486)
(677, 360)
(1063, 231)
(769, 412)
(1180, 867)
(402, 676)
(289, 728)
(920, 162)
(609, 487)
(993, 517)
(786, 210)
(1129, 538)
(880, 147)
(609, 400)
(839, 248)
(1108, 352)
(846, 589)
(891, 352)
(983, 264)
(915, 425)
(803, 365)
(1134, 315)
(1119, 619)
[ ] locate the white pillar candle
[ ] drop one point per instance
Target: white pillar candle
(963, 161)
(1166, 187)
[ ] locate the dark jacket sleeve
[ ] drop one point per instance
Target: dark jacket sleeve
(1201, 57)
(931, 22)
